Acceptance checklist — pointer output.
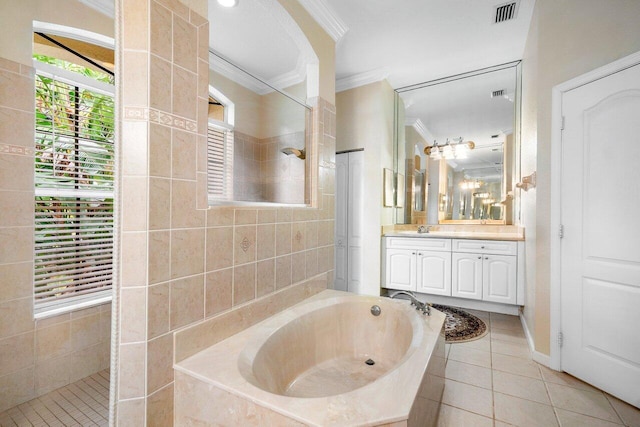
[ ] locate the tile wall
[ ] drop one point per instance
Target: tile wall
(35, 356)
(182, 263)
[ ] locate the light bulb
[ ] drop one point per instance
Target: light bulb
(228, 3)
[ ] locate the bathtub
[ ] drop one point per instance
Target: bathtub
(327, 361)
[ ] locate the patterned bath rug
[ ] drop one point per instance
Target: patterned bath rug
(460, 326)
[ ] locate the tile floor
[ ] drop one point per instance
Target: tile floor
(83, 403)
(493, 382)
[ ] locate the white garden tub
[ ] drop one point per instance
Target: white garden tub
(326, 361)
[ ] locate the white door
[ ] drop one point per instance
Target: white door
(466, 275)
(348, 223)
(499, 278)
(400, 269)
(433, 274)
(600, 250)
(354, 220)
(342, 193)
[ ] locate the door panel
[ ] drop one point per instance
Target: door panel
(341, 253)
(499, 278)
(354, 215)
(434, 272)
(401, 269)
(466, 276)
(600, 251)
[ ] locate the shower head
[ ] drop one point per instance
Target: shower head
(298, 153)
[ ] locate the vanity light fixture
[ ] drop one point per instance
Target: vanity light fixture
(228, 3)
(458, 149)
(470, 185)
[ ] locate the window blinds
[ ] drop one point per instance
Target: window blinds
(74, 171)
(219, 163)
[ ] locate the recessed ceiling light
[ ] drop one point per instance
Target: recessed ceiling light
(228, 3)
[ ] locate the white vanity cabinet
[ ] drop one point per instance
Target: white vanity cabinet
(483, 270)
(420, 265)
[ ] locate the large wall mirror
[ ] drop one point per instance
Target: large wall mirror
(457, 148)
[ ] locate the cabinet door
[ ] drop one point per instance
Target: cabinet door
(434, 272)
(499, 278)
(466, 272)
(401, 269)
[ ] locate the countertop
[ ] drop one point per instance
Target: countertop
(474, 235)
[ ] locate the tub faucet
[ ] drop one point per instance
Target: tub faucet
(424, 307)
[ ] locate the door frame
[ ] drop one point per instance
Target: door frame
(557, 92)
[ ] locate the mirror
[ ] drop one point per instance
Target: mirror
(258, 138)
(456, 148)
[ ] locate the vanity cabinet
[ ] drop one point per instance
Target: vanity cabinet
(421, 266)
(483, 270)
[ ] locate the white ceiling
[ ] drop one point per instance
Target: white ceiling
(412, 41)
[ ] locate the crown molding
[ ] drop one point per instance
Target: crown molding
(361, 79)
(420, 128)
(326, 17)
(106, 7)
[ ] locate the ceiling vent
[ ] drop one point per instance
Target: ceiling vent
(498, 93)
(505, 12)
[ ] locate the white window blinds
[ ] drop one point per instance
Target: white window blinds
(219, 163)
(74, 170)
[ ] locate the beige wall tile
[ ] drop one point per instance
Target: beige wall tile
(185, 44)
(86, 361)
(312, 262)
(85, 331)
(183, 158)
(283, 271)
(15, 281)
(246, 216)
(184, 92)
(160, 407)
(244, 244)
(187, 252)
(16, 127)
(298, 236)
(134, 150)
(134, 203)
(105, 325)
(203, 78)
(133, 259)
(53, 341)
(16, 387)
(160, 83)
(219, 244)
(159, 150)
(16, 353)
(159, 203)
(265, 277)
(16, 317)
(131, 371)
(325, 259)
(266, 241)
(160, 362)
(161, 36)
(159, 256)
(131, 413)
(298, 267)
(187, 301)
(283, 238)
(266, 216)
(158, 300)
(218, 291)
(220, 216)
(135, 87)
(136, 24)
(51, 374)
(183, 205)
(133, 305)
(203, 39)
(16, 172)
(244, 283)
(17, 91)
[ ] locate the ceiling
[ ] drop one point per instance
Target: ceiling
(412, 41)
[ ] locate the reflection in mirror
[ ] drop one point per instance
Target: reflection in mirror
(459, 136)
(257, 138)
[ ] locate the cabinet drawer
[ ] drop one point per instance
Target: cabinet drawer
(497, 247)
(424, 243)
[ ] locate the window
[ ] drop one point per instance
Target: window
(74, 171)
(220, 148)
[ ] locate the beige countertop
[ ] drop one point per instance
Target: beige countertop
(478, 232)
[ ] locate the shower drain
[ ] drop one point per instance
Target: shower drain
(370, 362)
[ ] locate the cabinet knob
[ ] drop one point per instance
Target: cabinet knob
(479, 257)
(481, 247)
(413, 253)
(486, 257)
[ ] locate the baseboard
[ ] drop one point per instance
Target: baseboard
(541, 358)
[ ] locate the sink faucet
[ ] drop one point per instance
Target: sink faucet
(424, 307)
(422, 229)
